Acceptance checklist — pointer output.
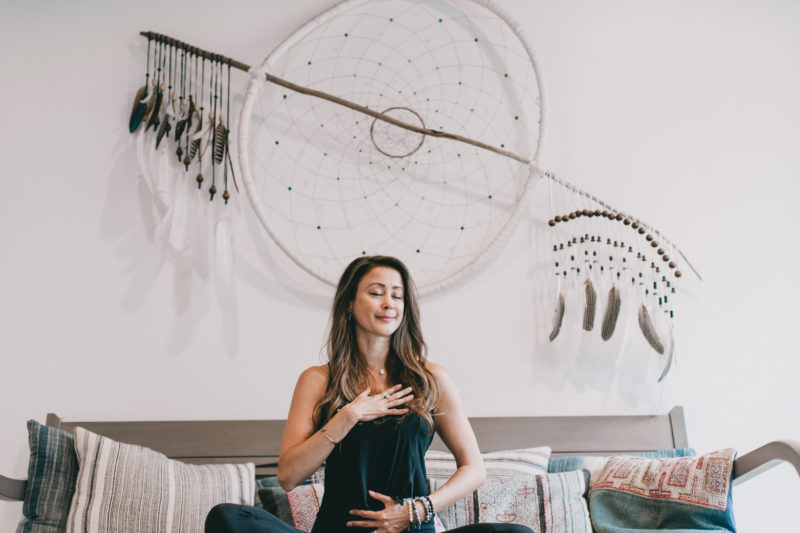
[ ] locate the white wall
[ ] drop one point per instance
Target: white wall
(682, 113)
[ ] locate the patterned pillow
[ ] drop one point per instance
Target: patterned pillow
(546, 503)
(499, 465)
(684, 493)
(123, 487)
(271, 481)
(595, 463)
(52, 472)
(299, 506)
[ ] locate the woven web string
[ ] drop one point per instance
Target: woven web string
(331, 183)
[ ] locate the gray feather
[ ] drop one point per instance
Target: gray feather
(591, 306)
(649, 331)
(611, 314)
(558, 316)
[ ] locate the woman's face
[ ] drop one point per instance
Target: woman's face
(378, 305)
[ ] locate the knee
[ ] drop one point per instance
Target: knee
(219, 518)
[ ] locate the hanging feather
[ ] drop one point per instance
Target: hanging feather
(649, 330)
(611, 314)
(182, 120)
(558, 316)
(154, 118)
(139, 107)
(150, 100)
(194, 145)
(163, 129)
(591, 305)
(220, 143)
(670, 357)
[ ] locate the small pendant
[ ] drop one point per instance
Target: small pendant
(381, 371)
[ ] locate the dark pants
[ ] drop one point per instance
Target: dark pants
(232, 518)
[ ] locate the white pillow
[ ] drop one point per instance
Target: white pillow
(498, 464)
(133, 489)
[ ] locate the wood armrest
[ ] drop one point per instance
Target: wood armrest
(12, 490)
(763, 458)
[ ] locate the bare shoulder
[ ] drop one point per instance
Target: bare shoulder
(438, 371)
(313, 379)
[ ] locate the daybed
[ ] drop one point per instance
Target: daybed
(258, 442)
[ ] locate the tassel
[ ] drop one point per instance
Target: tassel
(611, 314)
(649, 331)
(557, 317)
(591, 304)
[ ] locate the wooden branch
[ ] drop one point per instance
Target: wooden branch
(326, 96)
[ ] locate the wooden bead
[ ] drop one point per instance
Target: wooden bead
(654, 244)
(635, 225)
(604, 213)
(618, 217)
(558, 218)
(678, 274)
(672, 264)
(649, 237)
(571, 216)
(666, 257)
(597, 212)
(551, 222)
(626, 222)
(641, 230)
(660, 251)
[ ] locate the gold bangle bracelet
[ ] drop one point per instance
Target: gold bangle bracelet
(323, 431)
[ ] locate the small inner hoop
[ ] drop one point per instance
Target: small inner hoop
(394, 141)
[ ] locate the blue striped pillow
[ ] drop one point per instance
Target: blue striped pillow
(52, 473)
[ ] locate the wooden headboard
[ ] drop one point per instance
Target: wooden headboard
(258, 441)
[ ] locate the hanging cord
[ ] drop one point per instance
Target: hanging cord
(213, 189)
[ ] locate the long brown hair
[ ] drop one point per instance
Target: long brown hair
(347, 371)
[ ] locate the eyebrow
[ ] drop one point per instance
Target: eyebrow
(384, 286)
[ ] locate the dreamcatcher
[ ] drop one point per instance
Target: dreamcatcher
(414, 128)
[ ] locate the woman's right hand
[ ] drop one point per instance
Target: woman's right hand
(364, 407)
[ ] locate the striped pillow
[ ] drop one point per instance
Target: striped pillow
(123, 487)
(52, 471)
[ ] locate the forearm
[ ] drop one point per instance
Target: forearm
(466, 479)
(296, 464)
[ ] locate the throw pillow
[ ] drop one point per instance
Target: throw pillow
(123, 487)
(263, 482)
(52, 472)
(683, 494)
(546, 503)
(499, 465)
(595, 463)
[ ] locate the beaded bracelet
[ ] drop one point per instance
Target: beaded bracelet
(428, 505)
(413, 516)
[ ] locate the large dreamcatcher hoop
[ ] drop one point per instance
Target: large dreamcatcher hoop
(395, 127)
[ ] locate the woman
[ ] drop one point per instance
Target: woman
(369, 415)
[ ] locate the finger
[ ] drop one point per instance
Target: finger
(365, 392)
(363, 513)
(381, 497)
(361, 523)
(396, 411)
(398, 401)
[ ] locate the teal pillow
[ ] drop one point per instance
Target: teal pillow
(682, 494)
(52, 474)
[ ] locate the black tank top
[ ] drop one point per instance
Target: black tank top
(385, 456)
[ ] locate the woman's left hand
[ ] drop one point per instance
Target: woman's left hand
(392, 519)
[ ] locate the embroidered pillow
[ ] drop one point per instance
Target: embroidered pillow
(595, 463)
(299, 506)
(123, 487)
(499, 465)
(546, 503)
(52, 472)
(684, 493)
